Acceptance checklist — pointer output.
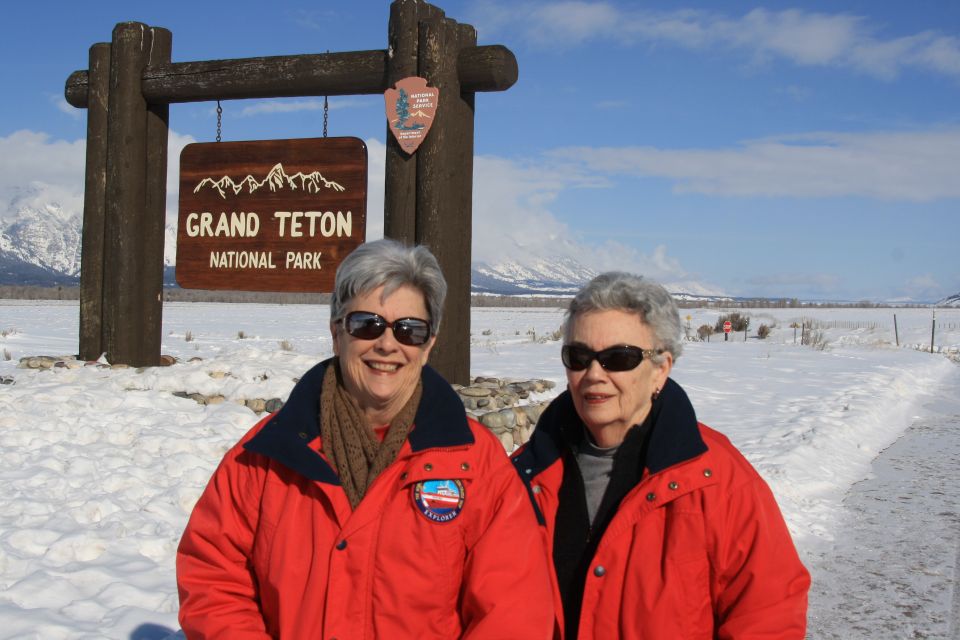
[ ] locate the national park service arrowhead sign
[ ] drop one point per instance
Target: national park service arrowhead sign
(411, 108)
(270, 215)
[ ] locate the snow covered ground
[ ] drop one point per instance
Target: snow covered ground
(100, 467)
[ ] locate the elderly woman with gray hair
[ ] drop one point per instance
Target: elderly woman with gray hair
(369, 506)
(657, 526)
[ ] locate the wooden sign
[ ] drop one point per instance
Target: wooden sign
(411, 107)
(270, 215)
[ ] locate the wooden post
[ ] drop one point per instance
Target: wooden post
(155, 210)
(933, 329)
(91, 273)
(400, 178)
(125, 301)
(896, 333)
(444, 188)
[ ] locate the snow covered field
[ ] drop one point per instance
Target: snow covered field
(100, 467)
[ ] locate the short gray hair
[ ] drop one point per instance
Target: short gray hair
(620, 291)
(389, 264)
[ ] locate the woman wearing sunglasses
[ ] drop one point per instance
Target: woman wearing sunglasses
(657, 526)
(369, 506)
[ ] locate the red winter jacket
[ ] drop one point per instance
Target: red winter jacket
(698, 549)
(437, 548)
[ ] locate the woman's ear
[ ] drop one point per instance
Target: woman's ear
(664, 368)
(427, 348)
(334, 334)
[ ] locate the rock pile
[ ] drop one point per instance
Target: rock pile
(496, 403)
(504, 406)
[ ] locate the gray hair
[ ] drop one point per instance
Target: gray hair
(616, 290)
(389, 264)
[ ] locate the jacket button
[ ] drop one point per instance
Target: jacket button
(674, 486)
(465, 466)
(707, 473)
(303, 435)
(536, 488)
(341, 545)
(403, 476)
(428, 467)
(651, 497)
(599, 571)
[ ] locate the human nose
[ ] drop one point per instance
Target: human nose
(387, 341)
(594, 370)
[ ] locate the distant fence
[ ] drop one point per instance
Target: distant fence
(843, 324)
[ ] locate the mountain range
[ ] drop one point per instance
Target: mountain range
(40, 246)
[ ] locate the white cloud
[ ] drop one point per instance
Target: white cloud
(35, 171)
(513, 220)
(923, 287)
(376, 163)
(912, 166)
(802, 37)
(57, 100)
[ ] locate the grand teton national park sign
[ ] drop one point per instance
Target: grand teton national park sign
(270, 215)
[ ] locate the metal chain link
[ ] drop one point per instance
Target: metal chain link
(326, 111)
(219, 119)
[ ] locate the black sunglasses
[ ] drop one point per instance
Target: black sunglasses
(365, 325)
(624, 358)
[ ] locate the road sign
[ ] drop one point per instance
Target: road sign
(270, 215)
(727, 327)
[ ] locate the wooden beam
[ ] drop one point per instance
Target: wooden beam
(486, 68)
(94, 203)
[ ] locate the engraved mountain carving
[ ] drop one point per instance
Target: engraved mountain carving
(276, 179)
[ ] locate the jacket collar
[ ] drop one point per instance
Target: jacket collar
(674, 438)
(440, 421)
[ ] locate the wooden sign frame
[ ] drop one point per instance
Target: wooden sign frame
(270, 215)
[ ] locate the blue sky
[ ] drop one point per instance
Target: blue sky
(804, 150)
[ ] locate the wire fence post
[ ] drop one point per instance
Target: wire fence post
(896, 333)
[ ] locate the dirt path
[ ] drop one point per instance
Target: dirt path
(893, 571)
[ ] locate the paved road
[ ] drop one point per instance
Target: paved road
(894, 572)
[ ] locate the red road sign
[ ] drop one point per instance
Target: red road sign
(727, 327)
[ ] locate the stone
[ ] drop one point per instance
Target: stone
(217, 399)
(257, 405)
(272, 405)
(476, 392)
(493, 421)
(218, 375)
(506, 439)
(521, 416)
(508, 417)
(167, 360)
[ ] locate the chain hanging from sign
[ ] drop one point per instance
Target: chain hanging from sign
(326, 115)
(411, 106)
(326, 111)
(219, 120)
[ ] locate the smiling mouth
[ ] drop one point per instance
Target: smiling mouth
(388, 367)
(594, 398)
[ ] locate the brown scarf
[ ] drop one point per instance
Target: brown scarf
(350, 443)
